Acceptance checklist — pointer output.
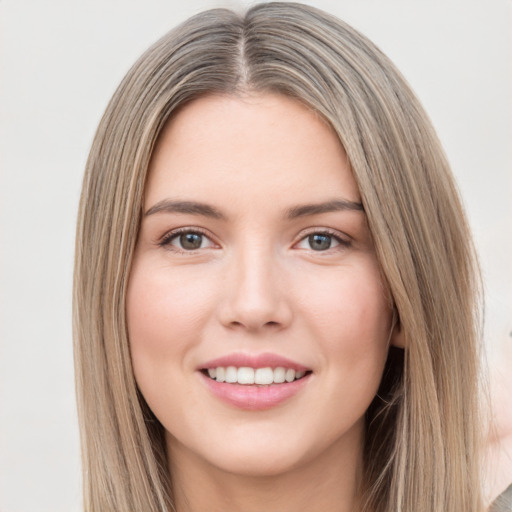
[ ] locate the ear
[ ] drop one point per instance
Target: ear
(397, 338)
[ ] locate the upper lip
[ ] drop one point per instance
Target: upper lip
(254, 361)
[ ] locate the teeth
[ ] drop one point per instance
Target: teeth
(261, 376)
(245, 375)
(264, 376)
(231, 374)
(279, 375)
(220, 374)
(290, 375)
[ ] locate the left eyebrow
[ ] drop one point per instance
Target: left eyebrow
(329, 206)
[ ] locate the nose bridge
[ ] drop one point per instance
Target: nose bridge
(255, 295)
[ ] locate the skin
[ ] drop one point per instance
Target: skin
(255, 285)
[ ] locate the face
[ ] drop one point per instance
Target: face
(258, 321)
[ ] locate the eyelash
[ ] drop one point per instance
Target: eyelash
(166, 240)
(343, 243)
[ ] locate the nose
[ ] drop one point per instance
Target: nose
(255, 297)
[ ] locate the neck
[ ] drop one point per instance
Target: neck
(329, 483)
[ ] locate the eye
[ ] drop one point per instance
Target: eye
(186, 240)
(322, 241)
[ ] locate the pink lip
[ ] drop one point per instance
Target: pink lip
(254, 397)
(254, 361)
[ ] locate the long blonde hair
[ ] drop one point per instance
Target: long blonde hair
(422, 443)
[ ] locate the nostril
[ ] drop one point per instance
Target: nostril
(271, 324)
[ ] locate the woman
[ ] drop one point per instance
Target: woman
(276, 296)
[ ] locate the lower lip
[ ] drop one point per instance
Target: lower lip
(255, 397)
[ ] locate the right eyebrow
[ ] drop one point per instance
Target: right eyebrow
(187, 207)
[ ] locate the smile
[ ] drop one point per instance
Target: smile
(261, 376)
(255, 382)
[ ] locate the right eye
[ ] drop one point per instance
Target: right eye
(186, 240)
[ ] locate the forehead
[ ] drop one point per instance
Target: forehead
(235, 148)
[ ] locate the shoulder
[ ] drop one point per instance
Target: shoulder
(503, 503)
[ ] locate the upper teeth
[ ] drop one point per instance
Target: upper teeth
(246, 375)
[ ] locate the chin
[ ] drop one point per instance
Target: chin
(260, 464)
(246, 455)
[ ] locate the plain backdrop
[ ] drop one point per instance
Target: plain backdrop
(61, 60)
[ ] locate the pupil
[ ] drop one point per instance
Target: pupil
(319, 242)
(191, 241)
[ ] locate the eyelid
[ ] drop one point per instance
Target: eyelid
(165, 240)
(343, 240)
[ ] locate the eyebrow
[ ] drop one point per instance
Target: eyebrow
(190, 207)
(328, 206)
(206, 210)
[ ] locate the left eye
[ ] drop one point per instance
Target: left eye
(319, 242)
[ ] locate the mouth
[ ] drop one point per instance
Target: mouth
(247, 376)
(255, 382)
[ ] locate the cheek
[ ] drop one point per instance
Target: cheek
(165, 312)
(351, 314)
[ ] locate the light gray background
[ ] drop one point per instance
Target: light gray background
(61, 61)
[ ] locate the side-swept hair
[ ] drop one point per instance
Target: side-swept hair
(422, 440)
